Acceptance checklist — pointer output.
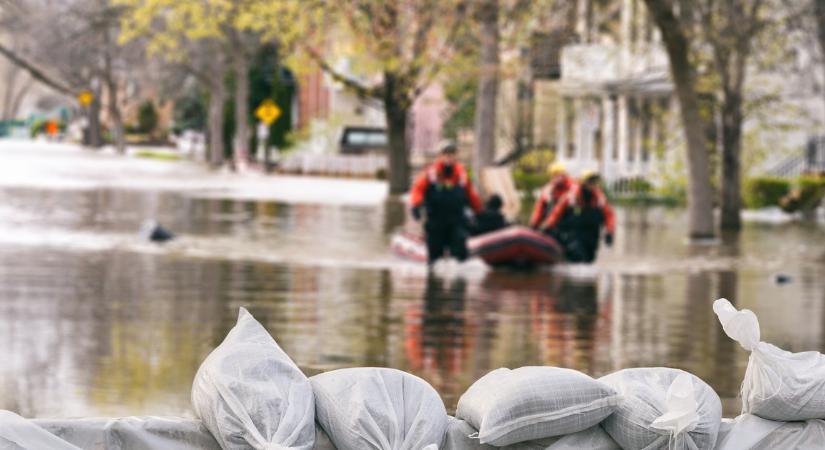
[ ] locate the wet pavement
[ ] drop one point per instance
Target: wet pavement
(94, 321)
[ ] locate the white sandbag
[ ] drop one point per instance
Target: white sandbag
(462, 436)
(322, 441)
(593, 438)
(249, 394)
(17, 433)
(132, 433)
(378, 408)
(529, 403)
(750, 432)
(663, 408)
(778, 385)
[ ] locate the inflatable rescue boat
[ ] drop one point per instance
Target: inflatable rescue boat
(514, 246)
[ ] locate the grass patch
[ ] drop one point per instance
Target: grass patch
(159, 155)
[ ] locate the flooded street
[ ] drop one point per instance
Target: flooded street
(94, 321)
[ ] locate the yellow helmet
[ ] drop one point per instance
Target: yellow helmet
(589, 174)
(556, 169)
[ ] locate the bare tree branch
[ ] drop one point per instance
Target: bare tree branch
(359, 88)
(35, 72)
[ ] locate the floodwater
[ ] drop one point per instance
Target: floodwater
(93, 321)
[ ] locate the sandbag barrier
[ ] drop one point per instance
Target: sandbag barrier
(248, 394)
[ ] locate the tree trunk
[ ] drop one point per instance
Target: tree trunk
(819, 12)
(397, 108)
(114, 112)
(215, 122)
(93, 134)
(241, 139)
(217, 98)
(111, 87)
(731, 162)
(485, 119)
(700, 201)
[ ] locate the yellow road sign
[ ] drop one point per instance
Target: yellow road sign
(268, 112)
(85, 98)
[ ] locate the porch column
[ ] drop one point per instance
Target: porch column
(608, 137)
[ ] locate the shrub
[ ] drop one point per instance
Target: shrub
(529, 181)
(761, 192)
(811, 191)
(189, 113)
(147, 117)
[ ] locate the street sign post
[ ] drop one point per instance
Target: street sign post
(268, 112)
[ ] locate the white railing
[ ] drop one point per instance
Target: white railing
(339, 165)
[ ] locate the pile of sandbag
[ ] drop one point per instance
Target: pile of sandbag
(530, 403)
(783, 393)
(561, 409)
(248, 394)
(378, 408)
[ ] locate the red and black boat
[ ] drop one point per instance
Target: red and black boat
(514, 246)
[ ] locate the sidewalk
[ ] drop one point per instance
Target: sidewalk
(40, 164)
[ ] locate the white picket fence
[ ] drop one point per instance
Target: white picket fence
(338, 165)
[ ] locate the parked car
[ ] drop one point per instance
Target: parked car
(363, 140)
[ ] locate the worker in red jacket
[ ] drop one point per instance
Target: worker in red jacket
(443, 191)
(578, 217)
(550, 194)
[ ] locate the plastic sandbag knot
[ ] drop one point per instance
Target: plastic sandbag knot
(681, 412)
(741, 326)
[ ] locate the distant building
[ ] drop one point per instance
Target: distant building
(326, 107)
(598, 92)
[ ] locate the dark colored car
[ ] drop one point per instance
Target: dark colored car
(362, 140)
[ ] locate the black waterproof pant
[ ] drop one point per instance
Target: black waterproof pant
(446, 236)
(580, 244)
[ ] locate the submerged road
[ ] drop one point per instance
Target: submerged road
(97, 322)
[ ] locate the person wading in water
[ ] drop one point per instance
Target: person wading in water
(443, 191)
(578, 217)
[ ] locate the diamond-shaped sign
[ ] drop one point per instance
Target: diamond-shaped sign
(268, 112)
(85, 98)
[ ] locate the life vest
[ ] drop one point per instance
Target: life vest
(583, 214)
(446, 200)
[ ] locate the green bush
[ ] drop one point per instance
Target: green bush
(189, 113)
(812, 190)
(762, 192)
(529, 181)
(39, 126)
(536, 160)
(640, 185)
(147, 117)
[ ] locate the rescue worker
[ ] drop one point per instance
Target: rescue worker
(578, 217)
(490, 218)
(550, 194)
(443, 191)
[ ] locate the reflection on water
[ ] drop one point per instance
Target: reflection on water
(94, 322)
